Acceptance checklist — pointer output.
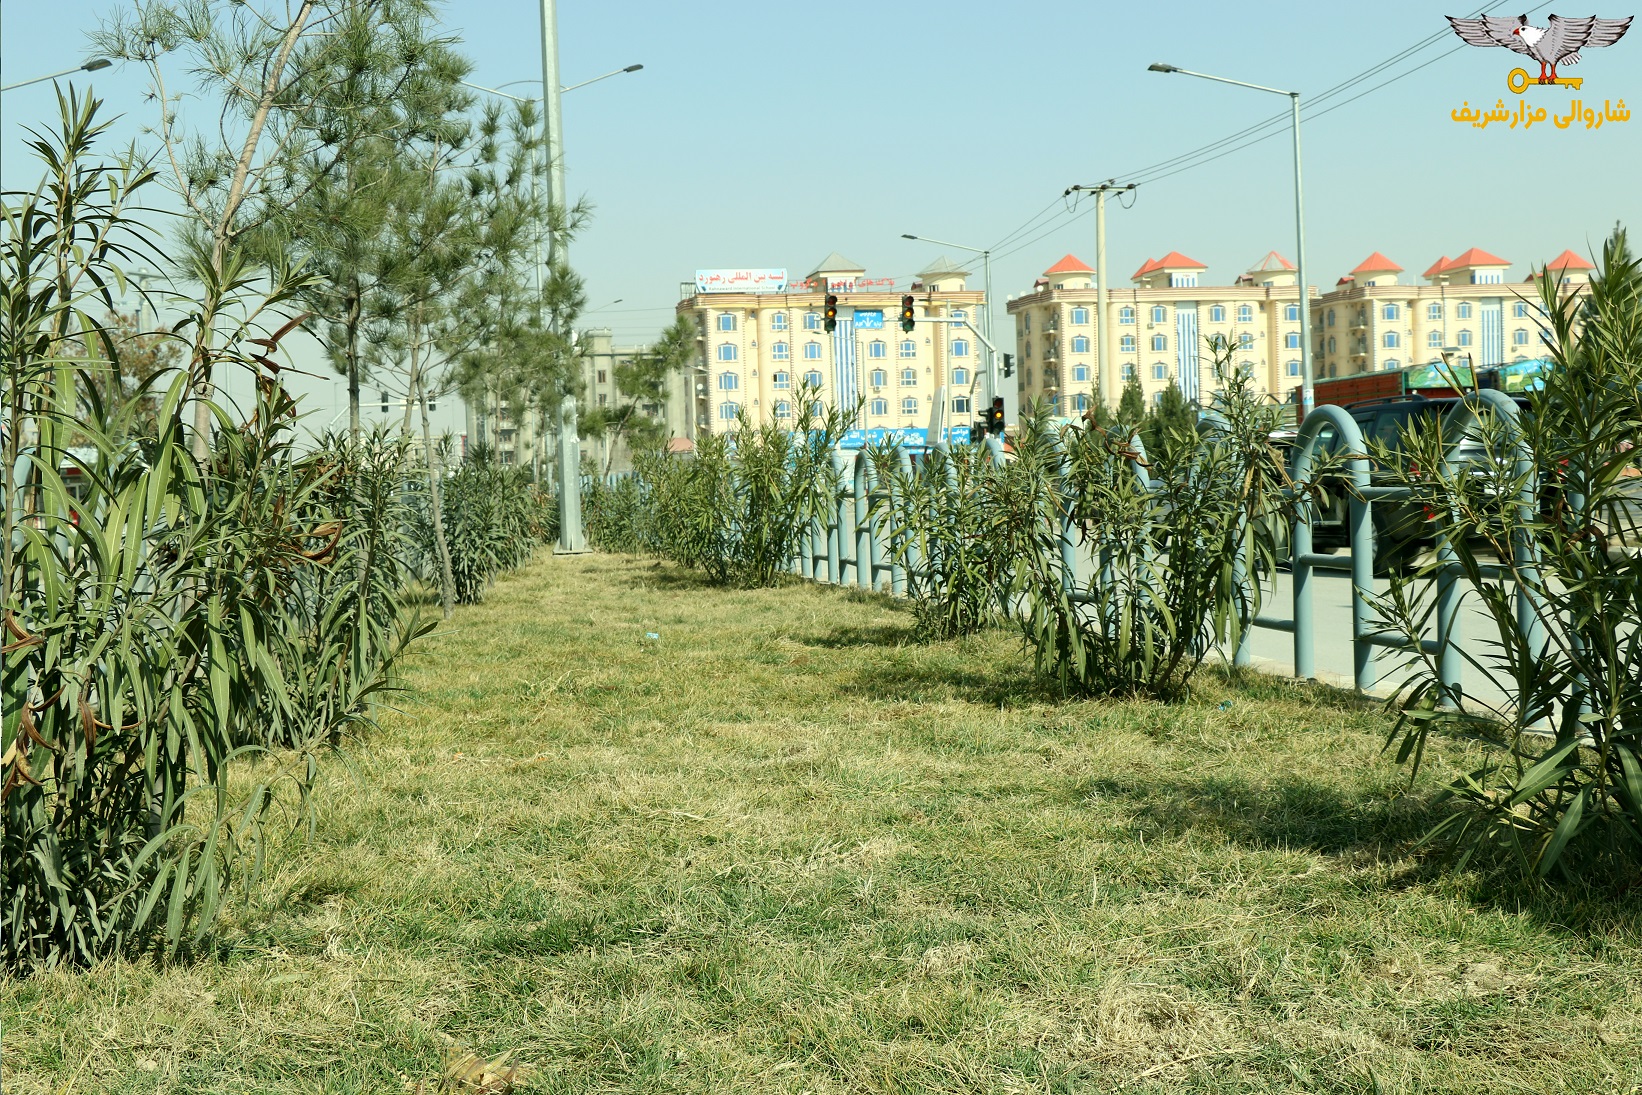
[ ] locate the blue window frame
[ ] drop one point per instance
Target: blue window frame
(1217, 314)
(1331, 317)
(1292, 340)
(1465, 338)
(1331, 344)
(726, 352)
(879, 378)
(778, 321)
(879, 406)
(1159, 313)
(1245, 313)
(812, 321)
(1292, 313)
(812, 379)
(1080, 373)
(1463, 311)
(1434, 339)
(960, 405)
(877, 348)
(1160, 342)
(1245, 340)
(1294, 368)
(909, 405)
(909, 377)
(817, 408)
(1433, 310)
(1391, 340)
(1126, 314)
(726, 321)
(1160, 371)
(728, 410)
(783, 408)
(1390, 312)
(960, 348)
(960, 376)
(1126, 344)
(781, 380)
(812, 351)
(1080, 344)
(1519, 337)
(960, 315)
(1391, 363)
(780, 352)
(909, 348)
(728, 382)
(1128, 371)
(1080, 315)
(1520, 309)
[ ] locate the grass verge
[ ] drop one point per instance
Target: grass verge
(777, 848)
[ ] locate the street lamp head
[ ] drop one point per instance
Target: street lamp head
(96, 63)
(908, 236)
(632, 68)
(1161, 67)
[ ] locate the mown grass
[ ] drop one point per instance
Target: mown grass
(781, 849)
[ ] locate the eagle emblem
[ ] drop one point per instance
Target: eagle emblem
(1556, 43)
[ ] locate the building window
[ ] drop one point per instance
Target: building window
(1128, 371)
(1520, 309)
(909, 348)
(1080, 315)
(812, 321)
(879, 406)
(812, 351)
(1487, 277)
(1080, 344)
(879, 378)
(1245, 340)
(1245, 313)
(909, 377)
(1080, 373)
(780, 352)
(909, 405)
(726, 352)
(728, 382)
(1159, 313)
(726, 321)
(1292, 313)
(1390, 312)
(959, 315)
(1160, 371)
(1292, 340)
(1331, 344)
(1026, 322)
(877, 348)
(1080, 402)
(1434, 339)
(1294, 368)
(778, 321)
(1026, 351)
(812, 379)
(960, 348)
(1391, 340)
(1159, 342)
(782, 380)
(817, 408)
(783, 409)
(601, 376)
(1433, 310)
(960, 405)
(960, 376)
(1331, 317)
(1519, 337)
(1126, 314)
(728, 410)
(1127, 344)
(1391, 363)
(1465, 338)
(1463, 311)
(1217, 314)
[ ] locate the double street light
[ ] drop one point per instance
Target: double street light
(92, 65)
(1308, 391)
(986, 312)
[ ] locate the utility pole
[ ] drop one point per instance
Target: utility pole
(1103, 328)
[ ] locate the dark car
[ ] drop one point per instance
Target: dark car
(1402, 527)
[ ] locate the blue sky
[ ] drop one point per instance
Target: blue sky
(770, 134)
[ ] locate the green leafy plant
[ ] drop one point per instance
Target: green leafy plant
(1557, 505)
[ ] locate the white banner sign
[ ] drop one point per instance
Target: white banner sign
(741, 281)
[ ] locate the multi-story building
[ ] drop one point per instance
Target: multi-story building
(1161, 330)
(1162, 327)
(1371, 320)
(600, 360)
(761, 345)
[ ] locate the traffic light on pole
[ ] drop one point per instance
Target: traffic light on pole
(830, 316)
(907, 322)
(1008, 364)
(994, 416)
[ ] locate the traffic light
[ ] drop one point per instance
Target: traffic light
(1008, 364)
(994, 416)
(907, 322)
(830, 320)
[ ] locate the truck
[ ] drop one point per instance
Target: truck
(1431, 381)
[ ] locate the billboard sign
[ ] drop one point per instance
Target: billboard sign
(741, 281)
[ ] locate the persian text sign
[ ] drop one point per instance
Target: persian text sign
(741, 281)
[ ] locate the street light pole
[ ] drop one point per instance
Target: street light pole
(1308, 390)
(92, 65)
(986, 312)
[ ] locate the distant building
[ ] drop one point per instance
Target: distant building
(762, 339)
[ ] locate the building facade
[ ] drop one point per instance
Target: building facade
(1371, 320)
(760, 350)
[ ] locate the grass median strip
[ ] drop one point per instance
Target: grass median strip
(649, 836)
